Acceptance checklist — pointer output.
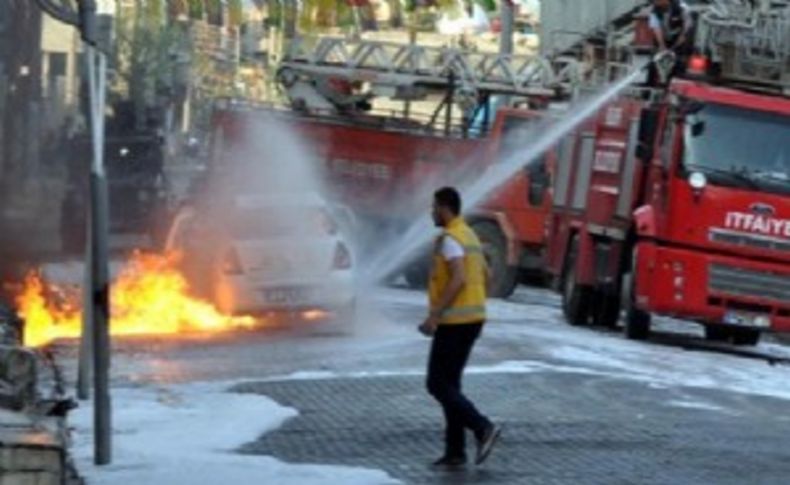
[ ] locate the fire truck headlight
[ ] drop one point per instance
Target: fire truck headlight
(762, 322)
(698, 180)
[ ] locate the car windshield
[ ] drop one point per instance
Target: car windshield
(279, 221)
(741, 147)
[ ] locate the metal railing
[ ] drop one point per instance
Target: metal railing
(752, 44)
(409, 64)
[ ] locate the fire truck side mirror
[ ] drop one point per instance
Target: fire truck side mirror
(697, 128)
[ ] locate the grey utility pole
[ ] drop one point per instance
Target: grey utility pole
(84, 17)
(507, 19)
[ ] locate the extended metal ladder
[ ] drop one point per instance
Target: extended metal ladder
(394, 64)
(752, 44)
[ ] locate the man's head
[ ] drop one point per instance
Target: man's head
(662, 4)
(446, 206)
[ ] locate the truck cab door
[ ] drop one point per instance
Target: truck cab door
(523, 198)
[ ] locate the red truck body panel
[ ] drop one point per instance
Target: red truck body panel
(717, 255)
(390, 174)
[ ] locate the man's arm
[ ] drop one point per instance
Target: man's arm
(658, 31)
(688, 23)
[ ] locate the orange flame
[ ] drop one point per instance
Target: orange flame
(149, 297)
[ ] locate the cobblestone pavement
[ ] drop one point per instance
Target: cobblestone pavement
(560, 428)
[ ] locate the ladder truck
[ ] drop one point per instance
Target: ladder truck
(375, 160)
(676, 202)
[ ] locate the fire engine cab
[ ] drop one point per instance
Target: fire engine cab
(677, 202)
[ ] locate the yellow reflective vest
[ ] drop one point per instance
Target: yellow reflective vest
(469, 305)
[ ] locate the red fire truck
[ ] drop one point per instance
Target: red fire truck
(376, 161)
(676, 205)
(680, 205)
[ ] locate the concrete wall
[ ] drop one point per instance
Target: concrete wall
(577, 16)
(30, 453)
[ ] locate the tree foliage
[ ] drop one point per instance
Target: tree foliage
(147, 51)
(235, 12)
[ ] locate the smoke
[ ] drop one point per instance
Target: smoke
(269, 157)
(264, 197)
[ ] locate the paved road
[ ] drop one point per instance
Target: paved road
(559, 428)
(579, 405)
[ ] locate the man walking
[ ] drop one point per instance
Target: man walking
(457, 294)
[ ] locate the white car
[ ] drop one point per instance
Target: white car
(268, 253)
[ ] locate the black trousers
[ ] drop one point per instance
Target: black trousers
(450, 351)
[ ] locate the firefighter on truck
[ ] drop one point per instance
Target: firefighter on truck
(671, 24)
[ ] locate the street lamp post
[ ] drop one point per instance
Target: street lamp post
(97, 271)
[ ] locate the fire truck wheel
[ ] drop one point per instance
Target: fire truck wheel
(504, 277)
(637, 324)
(716, 333)
(577, 303)
(607, 311)
(745, 336)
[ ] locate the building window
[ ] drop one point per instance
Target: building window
(57, 64)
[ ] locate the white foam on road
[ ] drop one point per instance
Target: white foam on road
(552, 346)
(188, 435)
(698, 405)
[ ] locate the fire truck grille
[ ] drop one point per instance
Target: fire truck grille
(750, 283)
(758, 242)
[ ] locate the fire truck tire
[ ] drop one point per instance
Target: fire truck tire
(577, 300)
(607, 311)
(504, 277)
(637, 324)
(745, 336)
(717, 333)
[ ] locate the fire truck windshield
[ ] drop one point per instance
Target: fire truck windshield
(739, 147)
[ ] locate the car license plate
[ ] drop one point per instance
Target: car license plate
(747, 320)
(284, 295)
